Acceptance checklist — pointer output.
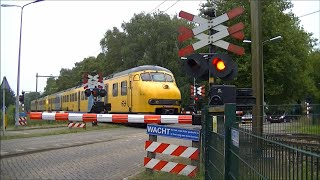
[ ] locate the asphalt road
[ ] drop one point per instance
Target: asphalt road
(104, 154)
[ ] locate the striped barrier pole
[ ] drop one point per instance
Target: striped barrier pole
(170, 167)
(23, 121)
(112, 118)
(151, 163)
(76, 125)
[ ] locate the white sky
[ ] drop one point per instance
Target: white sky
(57, 34)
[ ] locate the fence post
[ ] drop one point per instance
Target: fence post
(151, 154)
(230, 117)
(204, 139)
(196, 144)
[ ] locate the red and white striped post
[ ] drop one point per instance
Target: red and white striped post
(174, 150)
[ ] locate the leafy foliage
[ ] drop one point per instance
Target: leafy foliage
(286, 71)
(152, 39)
(9, 98)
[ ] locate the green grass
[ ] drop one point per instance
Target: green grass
(310, 129)
(55, 132)
(304, 125)
(158, 175)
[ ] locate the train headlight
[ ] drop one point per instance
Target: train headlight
(165, 86)
(151, 101)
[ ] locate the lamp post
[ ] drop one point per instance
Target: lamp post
(261, 90)
(19, 55)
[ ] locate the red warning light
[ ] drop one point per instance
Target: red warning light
(219, 64)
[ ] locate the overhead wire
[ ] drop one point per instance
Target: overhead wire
(309, 13)
(158, 6)
(171, 6)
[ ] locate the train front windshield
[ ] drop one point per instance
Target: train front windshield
(156, 77)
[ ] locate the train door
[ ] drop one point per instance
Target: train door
(78, 97)
(107, 94)
(129, 94)
(125, 95)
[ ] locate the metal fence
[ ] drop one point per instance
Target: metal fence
(285, 150)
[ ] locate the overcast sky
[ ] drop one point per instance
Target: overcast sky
(57, 34)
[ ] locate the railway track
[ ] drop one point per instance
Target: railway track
(303, 141)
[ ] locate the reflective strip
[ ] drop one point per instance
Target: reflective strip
(136, 118)
(152, 119)
(120, 118)
(188, 152)
(153, 146)
(104, 117)
(188, 170)
(169, 118)
(89, 117)
(75, 117)
(81, 125)
(170, 149)
(62, 117)
(185, 119)
(48, 116)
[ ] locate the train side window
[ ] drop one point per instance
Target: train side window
(82, 95)
(75, 97)
(123, 88)
(169, 78)
(115, 89)
(107, 89)
(145, 77)
(136, 77)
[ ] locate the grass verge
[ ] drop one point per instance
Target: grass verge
(54, 131)
(157, 175)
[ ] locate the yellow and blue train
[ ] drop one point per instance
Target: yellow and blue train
(144, 89)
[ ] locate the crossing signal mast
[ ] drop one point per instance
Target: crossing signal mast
(212, 64)
(219, 65)
(94, 90)
(21, 97)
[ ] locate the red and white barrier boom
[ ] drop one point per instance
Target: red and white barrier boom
(113, 118)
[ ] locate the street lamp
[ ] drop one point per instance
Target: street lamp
(18, 76)
(262, 73)
(272, 39)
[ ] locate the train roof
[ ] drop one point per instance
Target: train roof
(128, 71)
(137, 69)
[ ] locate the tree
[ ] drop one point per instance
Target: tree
(285, 69)
(314, 73)
(10, 98)
(152, 39)
(28, 97)
(9, 94)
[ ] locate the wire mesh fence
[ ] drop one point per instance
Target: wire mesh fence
(286, 146)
